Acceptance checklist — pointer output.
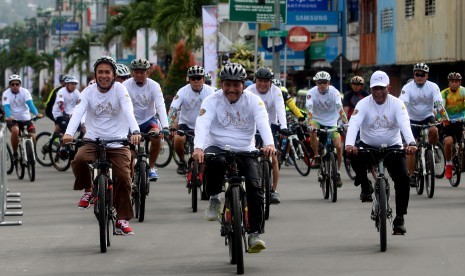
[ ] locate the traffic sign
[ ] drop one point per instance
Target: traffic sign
(273, 33)
(298, 38)
(279, 41)
(251, 11)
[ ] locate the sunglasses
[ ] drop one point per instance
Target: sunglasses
(357, 84)
(15, 84)
(321, 82)
(195, 78)
(420, 75)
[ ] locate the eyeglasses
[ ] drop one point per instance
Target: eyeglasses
(195, 78)
(358, 84)
(321, 82)
(15, 84)
(420, 75)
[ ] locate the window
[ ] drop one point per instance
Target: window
(368, 16)
(409, 8)
(352, 11)
(430, 7)
(386, 20)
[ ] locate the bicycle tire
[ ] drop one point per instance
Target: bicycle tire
(102, 212)
(440, 161)
(237, 227)
(332, 175)
(348, 167)
(203, 189)
(59, 162)
(193, 175)
(266, 185)
(166, 153)
(110, 218)
(323, 181)
(30, 164)
(382, 214)
(19, 166)
(429, 177)
(419, 177)
(143, 179)
(187, 150)
(135, 193)
(456, 166)
(300, 156)
(9, 160)
(41, 149)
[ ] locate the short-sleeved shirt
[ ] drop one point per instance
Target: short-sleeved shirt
(454, 103)
(18, 106)
(69, 100)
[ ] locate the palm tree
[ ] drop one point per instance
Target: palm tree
(79, 53)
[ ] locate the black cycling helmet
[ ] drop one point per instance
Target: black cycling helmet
(264, 73)
(233, 71)
(195, 71)
(108, 60)
(140, 64)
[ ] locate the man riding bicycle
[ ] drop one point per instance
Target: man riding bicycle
(231, 117)
(353, 96)
(454, 103)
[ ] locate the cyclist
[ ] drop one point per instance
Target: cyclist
(109, 115)
(454, 103)
(353, 96)
(122, 72)
(421, 97)
(380, 118)
(17, 104)
(231, 117)
(324, 108)
(208, 80)
(272, 97)
(50, 102)
(185, 108)
(147, 98)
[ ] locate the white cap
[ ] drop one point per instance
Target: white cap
(379, 78)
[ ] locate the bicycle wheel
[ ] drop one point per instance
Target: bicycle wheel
(332, 175)
(193, 178)
(166, 153)
(420, 179)
(203, 184)
(111, 216)
(30, 164)
(9, 160)
(322, 176)
(19, 166)
(102, 211)
(456, 167)
(58, 156)
(135, 194)
(382, 213)
(237, 228)
(266, 185)
(348, 166)
(42, 148)
(439, 161)
(187, 150)
(429, 177)
(143, 180)
(300, 156)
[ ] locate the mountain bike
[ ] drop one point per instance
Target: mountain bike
(266, 176)
(26, 157)
(195, 172)
(327, 174)
(41, 150)
(290, 147)
(103, 190)
(457, 157)
(234, 217)
(425, 162)
(381, 210)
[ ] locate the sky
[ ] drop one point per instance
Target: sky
(16, 10)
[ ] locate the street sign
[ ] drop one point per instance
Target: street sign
(279, 41)
(273, 33)
(315, 21)
(298, 38)
(251, 11)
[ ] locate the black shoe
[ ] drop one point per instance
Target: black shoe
(15, 157)
(338, 180)
(398, 227)
(365, 195)
(182, 168)
(413, 181)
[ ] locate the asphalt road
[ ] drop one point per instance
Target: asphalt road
(305, 235)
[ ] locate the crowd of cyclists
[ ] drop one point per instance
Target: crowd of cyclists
(122, 100)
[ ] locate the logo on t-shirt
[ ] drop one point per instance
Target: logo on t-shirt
(202, 111)
(355, 112)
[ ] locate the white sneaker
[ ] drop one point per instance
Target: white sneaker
(212, 212)
(256, 244)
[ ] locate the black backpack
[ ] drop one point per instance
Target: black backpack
(50, 102)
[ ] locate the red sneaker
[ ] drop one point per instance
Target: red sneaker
(84, 203)
(448, 171)
(123, 228)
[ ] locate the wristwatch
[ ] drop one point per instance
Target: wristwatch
(135, 132)
(412, 144)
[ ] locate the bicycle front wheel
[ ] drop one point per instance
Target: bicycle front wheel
(166, 153)
(237, 230)
(19, 166)
(142, 183)
(429, 177)
(31, 170)
(300, 156)
(420, 179)
(266, 186)
(9, 160)
(439, 161)
(348, 166)
(332, 175)
(42, 148)
(456, 166)
(382, 214)
(102, 212)
(193, 174)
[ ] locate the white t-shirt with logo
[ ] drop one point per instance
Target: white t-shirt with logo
(324, 107)
(189, 102)
(18, 107)
(420, 100)
(379, 124)
(274, 103)
(69, 100)
(221, 123)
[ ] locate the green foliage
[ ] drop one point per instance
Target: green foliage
(157, 75)
(244, 54)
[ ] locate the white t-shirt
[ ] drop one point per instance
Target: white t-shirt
(379, 124)
(147, 100)
(324, 108)
(274, 103)
(18, 107)
(420, 100)
(109, 115)
(69, 100)
(221, 123)
(190, 102)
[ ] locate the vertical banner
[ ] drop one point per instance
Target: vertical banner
(57, 67)
(210, 40)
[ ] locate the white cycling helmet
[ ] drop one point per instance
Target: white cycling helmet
(276, 82)
(322, 75)
(71, 79)
(14, 78)
(122, 70)
(421, 67)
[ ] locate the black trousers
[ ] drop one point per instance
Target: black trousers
(397, 169)
(248, 167)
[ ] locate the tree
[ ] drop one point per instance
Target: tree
(79, 53)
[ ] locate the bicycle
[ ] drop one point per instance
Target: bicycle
(61, 155)
(327, 173)
(439, 160)
(26, 157)
(9, 159)
(41, 150)
(234, 217)
(457, 157)
(165, 154)
(266, 176)
(381, 210)
(425, 162)
(195, 172)
(103, 189)
(291, 147)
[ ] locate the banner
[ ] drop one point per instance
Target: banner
(210, 40)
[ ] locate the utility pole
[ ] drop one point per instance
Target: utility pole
(276, 56)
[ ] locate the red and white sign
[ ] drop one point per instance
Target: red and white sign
(298, 38)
